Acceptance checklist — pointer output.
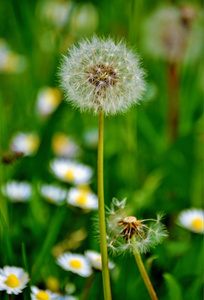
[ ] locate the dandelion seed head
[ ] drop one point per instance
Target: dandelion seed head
(99, 75)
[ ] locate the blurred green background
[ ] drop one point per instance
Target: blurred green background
(141, 163)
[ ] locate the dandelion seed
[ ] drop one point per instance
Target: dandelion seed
(122, 229)
(13, 280)
(192, 219)
(17, 191)
(92, 76)
(75, 263)
(38, 294)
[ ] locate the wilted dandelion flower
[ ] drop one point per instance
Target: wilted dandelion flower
(13, 280)
(102, 75)
(121, 229)
(192, 219)
(17, 191)
(82, 197)
(38, 294)
(53, 193)
(62, 145)
(171, 31)
(48, 99)
(26, 143)
(70, 171)
(95, 260)
(75, 263)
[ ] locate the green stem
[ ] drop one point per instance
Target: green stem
(101, 211)
(88, 287)
(143, 272)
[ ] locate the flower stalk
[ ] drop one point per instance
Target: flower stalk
(101, 211)
(143, 272)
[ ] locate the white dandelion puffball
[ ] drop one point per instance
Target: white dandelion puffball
(102, 75)
(192, 219)
(53, 193)
(13, 280)
(95, 260)
(38, 294)
(17, 191)
(75, 263)
(83, 198)
(26, 143)
(70, 171)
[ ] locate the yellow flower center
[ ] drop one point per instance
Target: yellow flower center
(197, 224)
(12, 281)
(32, 143)
(59, 142)
(41, 295)
(75, 264)
(54, 96)
(82, 199)
(69, 175)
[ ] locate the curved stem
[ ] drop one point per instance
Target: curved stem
(88, 287)
(101, 211)
(143, 272)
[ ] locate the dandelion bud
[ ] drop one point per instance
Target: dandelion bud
(101, 75)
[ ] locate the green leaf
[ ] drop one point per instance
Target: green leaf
(173, 287)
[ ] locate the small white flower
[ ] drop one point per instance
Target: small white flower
(101, 75)
(192, 219)
(10, 62)
(95, 260)
(70, 171)
(13, 280)
(26, 143)
(53, 193)
(38, 294)
(17, 191)
(48, 99)
(62, 145)
(75, 263)
(82, 197)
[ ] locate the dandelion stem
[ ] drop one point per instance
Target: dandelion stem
(143, 272)
(88, 287)
(101, 211)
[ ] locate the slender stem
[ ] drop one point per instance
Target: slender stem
(10, 296)
(88, 287)
(173, 101)
(143, 272)
(101, 211)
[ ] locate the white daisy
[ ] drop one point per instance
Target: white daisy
(53, 193)
(82, 197)
(17, 191)
(26, 143)
(38, 294)
(75, 263)
(95, 260)
(70, 171)
(62, 145)
(48, 99)
(192, 219)
(13, 280)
